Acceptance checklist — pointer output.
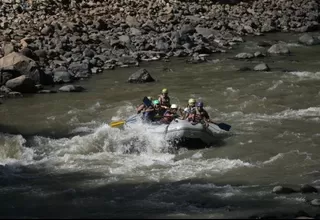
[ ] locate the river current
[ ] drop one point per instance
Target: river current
(59, 157)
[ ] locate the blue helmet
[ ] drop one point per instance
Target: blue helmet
(200, 104)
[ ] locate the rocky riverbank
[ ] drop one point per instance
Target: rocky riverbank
(52, 42)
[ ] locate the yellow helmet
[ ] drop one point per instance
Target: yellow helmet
(191, 101)
(164, 90)
(150, 98)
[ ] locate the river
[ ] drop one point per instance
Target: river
(61, 159)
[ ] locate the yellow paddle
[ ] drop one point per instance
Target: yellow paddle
(114, 124)
(117, 123)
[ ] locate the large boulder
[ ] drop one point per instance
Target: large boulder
(261, 67)
(141, 76)
(308, 189)
(24, 65)
(280, 48)
(22, 84)
(308, 40)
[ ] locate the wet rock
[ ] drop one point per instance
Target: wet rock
(315, 202)
(244, 68)
(141, 76)
(308, 40)
(14, 95)
(5, 90)
(71, 88)
(261, 67)
(308, 189)
(96, 70)
(283, 190)
(196, 58)
(46, 91)
(264, 44)
(244, 56)
(259, 54)
(22, 84)
(280, 48)
(24, 65)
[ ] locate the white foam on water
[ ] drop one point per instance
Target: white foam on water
(294, 45)
(306, 114)
(123, 112)
(305, 75)
(291, 199)
(274, 158)
(281, 156)
(275, 85)
(12, 149)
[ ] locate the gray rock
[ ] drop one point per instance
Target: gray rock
(22, 84)
(29, 53)
(132, 21)
(61, 75)
(88, 52)
(308, 40)
(5, 90)
(187, 29)
(46, 91)
(14, 95)
(80, 70)
(141, 76)
(41, 53)
(259, 54)
(135, 31)
(279, 48)
(283, 190)
(308, 189)
(24, 65)
(71, 88)
(206, 32)
(315, 202)
(124, 39)
(261, 67)
(48, 29)
(8, 48)
(96, 70)
(244, 56)
(126, 60)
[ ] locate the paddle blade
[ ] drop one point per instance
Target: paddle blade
(147, 102)
(224, 126)
(117, 123)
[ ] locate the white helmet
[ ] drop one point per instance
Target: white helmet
(174, 106)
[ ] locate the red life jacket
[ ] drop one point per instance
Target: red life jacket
(195, 116)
